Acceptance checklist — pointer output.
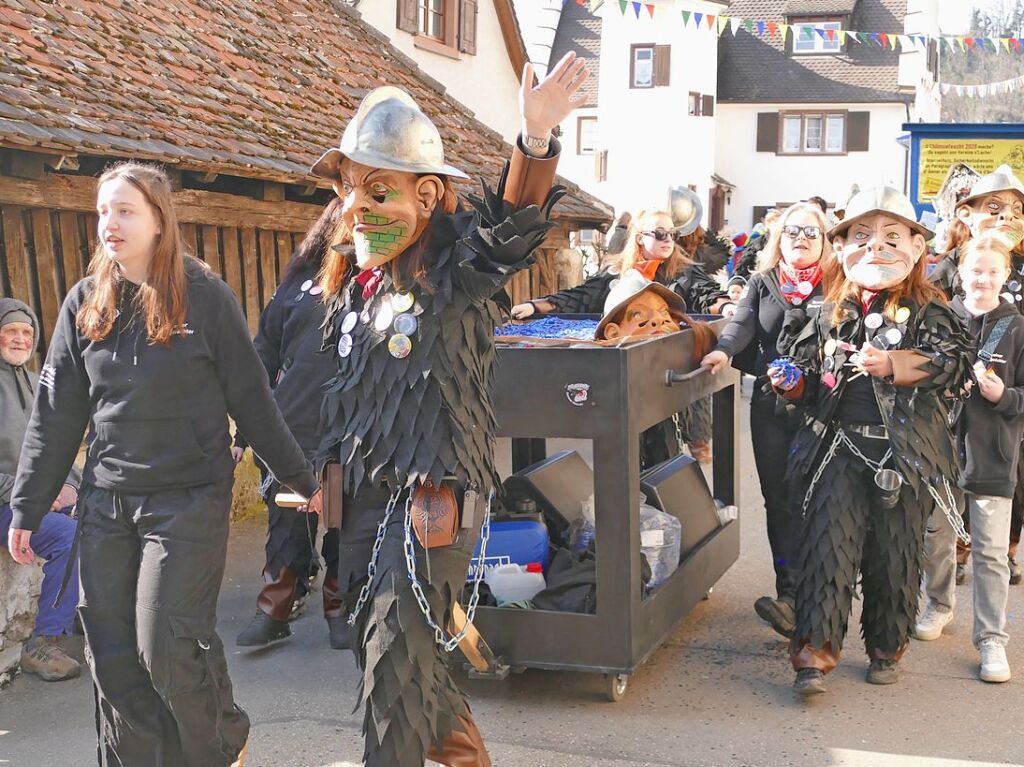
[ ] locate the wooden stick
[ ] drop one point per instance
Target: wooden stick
(472, 645)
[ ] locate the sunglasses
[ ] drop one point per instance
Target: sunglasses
(661, 235)
(793, 231)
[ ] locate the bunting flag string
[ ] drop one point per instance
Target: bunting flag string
(829, 34)
(984, 89)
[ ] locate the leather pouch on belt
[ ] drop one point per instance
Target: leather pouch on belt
(331, 482)
(435, 515)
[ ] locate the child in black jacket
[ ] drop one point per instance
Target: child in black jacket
(989, 433)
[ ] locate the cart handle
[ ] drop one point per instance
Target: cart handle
(672, 377)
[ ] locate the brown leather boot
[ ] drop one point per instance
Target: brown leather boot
(336, 615)
(462, 749)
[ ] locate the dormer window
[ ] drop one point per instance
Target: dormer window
(808, 40)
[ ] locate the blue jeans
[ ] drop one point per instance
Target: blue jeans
(53, 543)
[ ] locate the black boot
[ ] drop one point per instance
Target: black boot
(778, 613)
(336, 614)
(340, 631)
(262, 630)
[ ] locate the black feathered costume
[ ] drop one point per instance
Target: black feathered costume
(393, 422)
(846, 529)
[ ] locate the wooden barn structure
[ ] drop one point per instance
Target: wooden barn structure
(236, 98)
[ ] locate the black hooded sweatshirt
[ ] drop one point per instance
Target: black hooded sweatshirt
(990, 433)
(157, 414)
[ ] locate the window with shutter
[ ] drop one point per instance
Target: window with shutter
(467, 23)
(810, 133)
(662, 65)
(408, 15)
(708, 106)
(641, 66)
(695, 104)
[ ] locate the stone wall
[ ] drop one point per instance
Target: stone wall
(19, 594)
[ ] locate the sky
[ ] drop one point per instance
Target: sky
(955, 15)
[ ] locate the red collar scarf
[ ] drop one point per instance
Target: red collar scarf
(369, 280)
(648, 268)
(798, 283)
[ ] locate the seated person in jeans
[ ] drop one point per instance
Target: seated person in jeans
(42, 654)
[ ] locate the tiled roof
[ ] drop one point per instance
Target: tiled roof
(818, 7)
(242, 87)
(580, 31)
(864, 72)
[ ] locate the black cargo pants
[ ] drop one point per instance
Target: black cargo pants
(151, 570)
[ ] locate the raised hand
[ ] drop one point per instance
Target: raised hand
(545, 105)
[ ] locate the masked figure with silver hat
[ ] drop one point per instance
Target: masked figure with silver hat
(876, 454)
(993, 205)
(408, 415)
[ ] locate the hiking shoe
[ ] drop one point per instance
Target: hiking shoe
(44, 657)
(341, 632)
(778, 613)
(809, 681)
(932, 621)
(262, 630)
(883, 671)
(961, 573)
(994, 666)
(1016, 573)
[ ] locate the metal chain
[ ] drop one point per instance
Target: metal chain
(841, 439)
(371, 570)
(680, 440)
(446, 643)
(876, 465)
(949, 508)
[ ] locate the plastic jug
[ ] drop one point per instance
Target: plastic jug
(513, 583)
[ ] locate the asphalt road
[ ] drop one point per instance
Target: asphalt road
(717, 693)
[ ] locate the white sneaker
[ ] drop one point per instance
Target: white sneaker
(994, 666)
(932, 621)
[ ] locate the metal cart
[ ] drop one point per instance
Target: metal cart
(610, 395)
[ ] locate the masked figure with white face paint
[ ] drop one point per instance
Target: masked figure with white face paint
(876, 454)
(408, 414)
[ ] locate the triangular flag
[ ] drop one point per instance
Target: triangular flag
(842, 36)
(1015, 43)
(723, 22)
(874, 36)
(696, 19)
(595, 4)
(711, 21)
(959, 90)
(760, 28)
(622, 6)
(831, 34)
(748, 24)
(686, 18)
(906, 43)
(1006, 43)
(922, 41)
(969, 41)
(734, 24)
(945, 88)
(773, 28)
(785, 32)
(636, 9)
(650, 9)
(820, 31)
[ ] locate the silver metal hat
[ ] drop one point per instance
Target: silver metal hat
(389, 131)
(1002, 179)
(685, 209)
(882, 199)
(630, 285)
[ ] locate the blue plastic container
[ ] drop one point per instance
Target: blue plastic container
(514, 541)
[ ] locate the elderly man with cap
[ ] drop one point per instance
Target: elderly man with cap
(876, 455)
(408, 415)
(42, 654)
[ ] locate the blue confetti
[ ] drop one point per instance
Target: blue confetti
(551, 327)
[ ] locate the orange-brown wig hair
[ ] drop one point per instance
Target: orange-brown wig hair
(631, 252)
(693, 242)
(162, 297)
(337, 268)
(916, 288)
(957, 234)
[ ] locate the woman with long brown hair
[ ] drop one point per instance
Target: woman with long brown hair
(152, 354)
(785, 291)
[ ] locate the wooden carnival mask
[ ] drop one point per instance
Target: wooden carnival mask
(879, 251)
(386, 210)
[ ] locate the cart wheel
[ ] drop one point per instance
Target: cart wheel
(615, 686)
(708, 593)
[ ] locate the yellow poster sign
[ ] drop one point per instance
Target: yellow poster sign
(984, 155)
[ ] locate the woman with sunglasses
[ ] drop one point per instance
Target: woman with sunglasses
(651, 249)
(781, 293)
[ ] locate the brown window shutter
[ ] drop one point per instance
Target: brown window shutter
(708, 105)
(467, 27)
(601, 165)
(408, 20)
(857, 127)
(662, 64)
(767, 131)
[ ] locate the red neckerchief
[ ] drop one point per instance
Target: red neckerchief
(789, 275)
(866, 299)
(369, 280)
(648, 268)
